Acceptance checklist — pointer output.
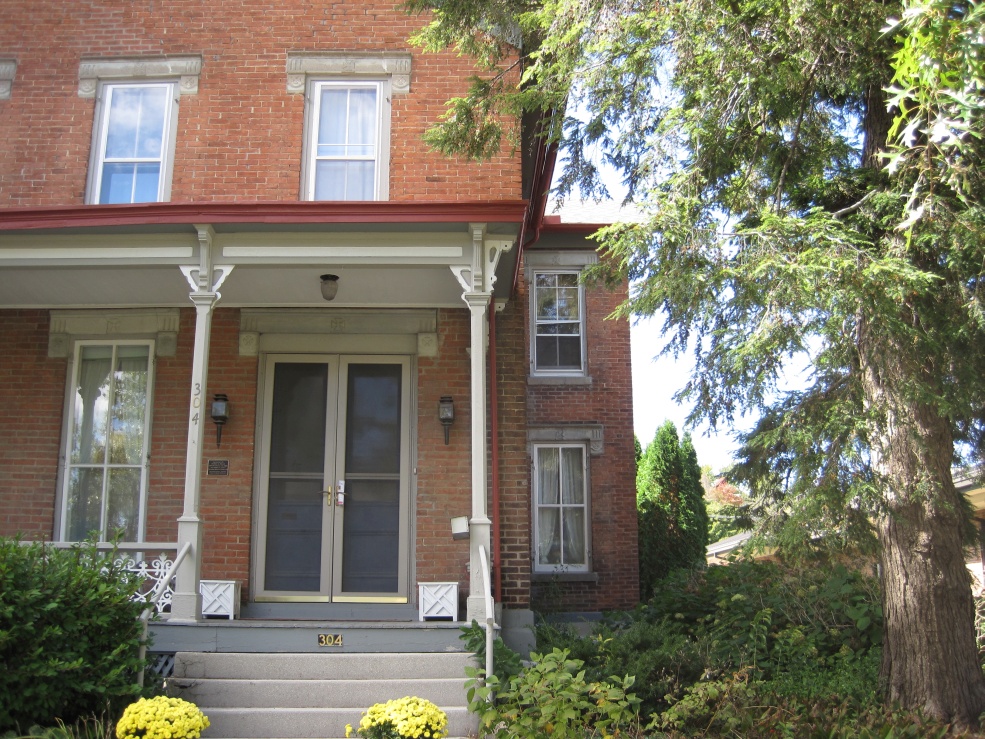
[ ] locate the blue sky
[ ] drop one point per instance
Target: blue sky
(655, 381)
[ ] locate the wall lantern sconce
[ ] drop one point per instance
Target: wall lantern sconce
(220, 414)
(329, 286)
(446, 413)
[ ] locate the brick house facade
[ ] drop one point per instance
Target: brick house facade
(174, 184)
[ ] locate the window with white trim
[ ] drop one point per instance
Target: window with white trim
(558, 346)
(134, 143)
(561, 508)
(345, 147)
(105, 477)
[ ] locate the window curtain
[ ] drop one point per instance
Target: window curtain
(573, 496)
(549, 518)
(561, 532)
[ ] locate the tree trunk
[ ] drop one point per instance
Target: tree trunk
(930, 657)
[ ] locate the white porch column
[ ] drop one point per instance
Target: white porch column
(477, 281)
(480, 524)
(187, 602)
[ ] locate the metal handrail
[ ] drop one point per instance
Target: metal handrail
(490, 624)
(155, 596)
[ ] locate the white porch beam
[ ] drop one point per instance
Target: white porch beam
(186, 605)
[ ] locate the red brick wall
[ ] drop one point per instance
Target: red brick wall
(607, 401)
(514, 461)
(32, 393)
(239, 138)
(444, 477)
(226, 502)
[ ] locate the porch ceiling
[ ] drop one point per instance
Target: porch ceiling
(72, 259)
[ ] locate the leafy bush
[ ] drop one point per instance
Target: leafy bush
(662, 661)
(552, 698)
(796, 631)
(506, 662)
(91, 727)
(69, 635)
(738, 706)
(771, 618)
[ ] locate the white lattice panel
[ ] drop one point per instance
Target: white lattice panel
(438, 601)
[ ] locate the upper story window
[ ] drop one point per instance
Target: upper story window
(558, 323)
(346, 152)
(135, 144)
(347, 121)
(135, 124)
(558, 350)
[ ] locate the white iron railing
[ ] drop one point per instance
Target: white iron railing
(490, 625)
(153, 602)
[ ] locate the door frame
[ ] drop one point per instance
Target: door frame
(335, 446)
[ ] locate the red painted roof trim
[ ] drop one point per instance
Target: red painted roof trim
(82, 216)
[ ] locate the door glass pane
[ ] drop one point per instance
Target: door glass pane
(295, 505)
(371, 520)
(294, 533)
(371, 536)
(373, 419)
(297, 432)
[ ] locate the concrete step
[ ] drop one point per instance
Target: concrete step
(314, 696)
(226, 693)
(355, 666)
(306, 723)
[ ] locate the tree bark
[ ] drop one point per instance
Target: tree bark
(930, 657)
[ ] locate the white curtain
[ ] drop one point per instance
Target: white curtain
(573, 494)
(561, 530)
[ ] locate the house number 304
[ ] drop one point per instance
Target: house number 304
(330, 640)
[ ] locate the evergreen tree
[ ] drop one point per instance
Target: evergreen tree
(673, 522)
(756, 136)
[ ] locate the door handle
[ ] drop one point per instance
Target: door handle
(328, 495)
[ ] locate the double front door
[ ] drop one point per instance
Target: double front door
(334, 479)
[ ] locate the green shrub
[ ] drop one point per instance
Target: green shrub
(91, 727)
(803, 634)
(552, 698)
(69, 635)
(506, 662)
(769, 617)
(662, 661)
(737, 706)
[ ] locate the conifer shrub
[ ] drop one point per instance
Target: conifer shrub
(69, 635)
